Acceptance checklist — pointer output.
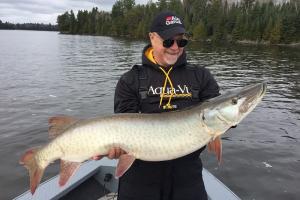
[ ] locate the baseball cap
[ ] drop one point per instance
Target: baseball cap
(167, 24)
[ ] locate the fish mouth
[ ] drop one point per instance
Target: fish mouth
(261, 89)
(258, 89)
(253, 95)
(264, 89)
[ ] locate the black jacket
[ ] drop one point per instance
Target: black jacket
(138, 91)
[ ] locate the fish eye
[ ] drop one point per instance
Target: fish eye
(234, 101)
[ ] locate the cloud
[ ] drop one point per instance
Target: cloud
(46, 11)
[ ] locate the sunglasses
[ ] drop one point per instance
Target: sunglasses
(180, 43)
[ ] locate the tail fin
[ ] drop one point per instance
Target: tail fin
(35, 171)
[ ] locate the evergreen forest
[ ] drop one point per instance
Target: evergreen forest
(28, 26)
(205, 20)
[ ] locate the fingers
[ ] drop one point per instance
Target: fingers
(97, 157)
(115, 153)
(123, 152)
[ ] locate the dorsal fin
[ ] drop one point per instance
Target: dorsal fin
(59, 124)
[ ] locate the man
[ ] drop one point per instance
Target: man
(164, 82)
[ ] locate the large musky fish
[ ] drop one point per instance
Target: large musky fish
(149, 137)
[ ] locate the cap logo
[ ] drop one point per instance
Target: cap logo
(172, 20)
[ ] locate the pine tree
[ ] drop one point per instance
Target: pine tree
(214, 18)
(199, 32)
(117, 18)
(237, 33)
(231, 19)
(162, 5)
(275, 35)
(73, 23)
(92, 21)
(267, 31)
(177, 7)
(63, 22)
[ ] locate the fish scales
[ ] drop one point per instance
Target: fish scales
(171, 137)
(149, 137)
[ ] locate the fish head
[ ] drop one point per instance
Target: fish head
(227, 110)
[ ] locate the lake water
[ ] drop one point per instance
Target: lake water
(43, 74)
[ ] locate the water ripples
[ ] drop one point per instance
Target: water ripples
(46, 74)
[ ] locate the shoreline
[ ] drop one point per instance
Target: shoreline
(267, 43)
(242, 42)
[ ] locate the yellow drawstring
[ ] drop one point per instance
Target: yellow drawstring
(168, 105)
(150, 56)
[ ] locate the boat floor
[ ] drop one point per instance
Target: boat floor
(91, 189)
(90, 182)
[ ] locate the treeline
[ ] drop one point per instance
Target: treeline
(28, 26)
(213, 20)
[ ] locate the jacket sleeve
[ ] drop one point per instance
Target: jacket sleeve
(209, 86)
(126, 96)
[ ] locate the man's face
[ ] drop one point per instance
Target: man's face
(162, 55)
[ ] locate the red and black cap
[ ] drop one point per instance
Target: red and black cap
(167, 24)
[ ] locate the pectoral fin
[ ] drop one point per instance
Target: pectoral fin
(216, 146)
(125, 161)
(67, 169)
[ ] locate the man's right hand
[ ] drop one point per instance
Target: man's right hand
(114, 153)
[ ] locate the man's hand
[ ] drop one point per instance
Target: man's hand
(114, 153)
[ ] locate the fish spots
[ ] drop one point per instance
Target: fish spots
(289, 137)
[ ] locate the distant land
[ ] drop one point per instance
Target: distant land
(261, 1)
(28, 26)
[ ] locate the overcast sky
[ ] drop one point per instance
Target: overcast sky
(46, 11)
